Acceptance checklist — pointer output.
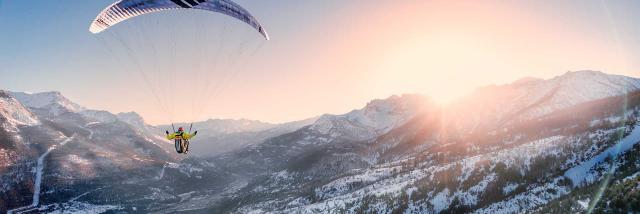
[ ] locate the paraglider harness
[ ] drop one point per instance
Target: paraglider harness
(182, 145)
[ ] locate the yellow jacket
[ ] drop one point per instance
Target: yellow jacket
(178, 135)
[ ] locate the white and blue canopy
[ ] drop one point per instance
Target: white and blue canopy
(126, 9)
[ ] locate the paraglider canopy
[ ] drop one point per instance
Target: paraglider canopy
(168, 54)
(126, 9)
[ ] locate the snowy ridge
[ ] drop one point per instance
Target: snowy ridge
(376, 118)
(54, 102)
(582, 86)
(531, 98)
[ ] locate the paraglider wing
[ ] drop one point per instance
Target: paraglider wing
(126, 9)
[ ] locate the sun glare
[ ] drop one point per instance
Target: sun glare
(443, 67)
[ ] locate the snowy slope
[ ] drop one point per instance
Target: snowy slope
(380, 180)
(13, 117)
(584, 171)
(15, 113)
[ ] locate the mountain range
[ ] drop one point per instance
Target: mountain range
(567, 144)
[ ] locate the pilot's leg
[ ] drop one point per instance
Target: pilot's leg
(178, 146)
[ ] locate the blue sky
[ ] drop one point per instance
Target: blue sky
(324, 56)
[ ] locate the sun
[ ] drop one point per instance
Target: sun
(444, 67)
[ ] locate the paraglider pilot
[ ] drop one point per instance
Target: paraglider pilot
(181, 139)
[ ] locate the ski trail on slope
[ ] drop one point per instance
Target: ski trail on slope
(40, 169)
(90, 137)
(86, 127)
(159, 177)
(38, 182)
(83, 194)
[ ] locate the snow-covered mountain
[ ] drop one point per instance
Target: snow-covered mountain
(561, 145)
(49, 141)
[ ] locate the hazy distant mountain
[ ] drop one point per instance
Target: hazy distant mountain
(218, 136)
(212, 142)
(532, 146)
(132, 118)
(224, 126)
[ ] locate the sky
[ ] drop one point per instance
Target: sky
(324, 56)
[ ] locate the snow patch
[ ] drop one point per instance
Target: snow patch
(584, 204)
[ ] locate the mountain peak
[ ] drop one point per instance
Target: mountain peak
(404, 99)
(132, 118)
(378, 116)
(584, 72)
(53, 101)
(527, 80)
